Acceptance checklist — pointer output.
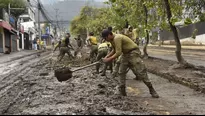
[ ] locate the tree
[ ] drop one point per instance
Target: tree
(136, 12)
(14, 4)
(195, 7)
(176, 35)
(146, 31)
(92, 20)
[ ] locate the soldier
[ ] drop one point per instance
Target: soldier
(92, 43)
(128, 32)
(117, 62)
(42, 44)
(79, 45)
(65, 47)
(103, 50)
(130, 59)
(133, 34)
(58, 45)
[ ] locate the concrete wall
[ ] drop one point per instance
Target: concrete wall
(200, 39)
(185, 34)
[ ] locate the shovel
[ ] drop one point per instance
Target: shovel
(64, 74)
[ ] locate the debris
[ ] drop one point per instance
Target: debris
(44, 74)
(101, 86)
(146, 103)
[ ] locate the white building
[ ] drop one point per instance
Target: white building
(28, 22)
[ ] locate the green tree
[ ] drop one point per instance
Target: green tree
(175, 32)
(195, 7)
(138, 15)
(14, 4)
(91, 20)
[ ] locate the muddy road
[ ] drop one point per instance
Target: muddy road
(174, 98)
(28, 86)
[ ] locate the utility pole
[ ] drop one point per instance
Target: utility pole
(56, 21)
(39, 28)
(9, 9)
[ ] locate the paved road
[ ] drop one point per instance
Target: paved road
(192, 56)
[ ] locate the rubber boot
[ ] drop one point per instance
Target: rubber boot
(122, 90)
(103, 73)
(152, 90)
(97, 69)
(137, 78)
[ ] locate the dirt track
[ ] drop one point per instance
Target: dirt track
(24, 91)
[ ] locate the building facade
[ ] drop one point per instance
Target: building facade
(8, 33)
(27, 20)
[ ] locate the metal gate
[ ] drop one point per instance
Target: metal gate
(1, 43)
(14, 43)
(7, 40)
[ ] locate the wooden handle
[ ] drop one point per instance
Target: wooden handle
(80, 68)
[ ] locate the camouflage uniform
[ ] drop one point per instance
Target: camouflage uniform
(79, 45)
(93, 53)
(57, 46)
(63, 51)
(65, 48)
(102, 52)
(117, 66)
(130, 59)
(93, 48)
(133, 61)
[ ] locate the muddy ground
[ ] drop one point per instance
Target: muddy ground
(28, 86)
(190, 77)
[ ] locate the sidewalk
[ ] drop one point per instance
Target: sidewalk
(183, 47)
(17, 55)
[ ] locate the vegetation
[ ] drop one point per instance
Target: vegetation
(14, 4)
(145, 15)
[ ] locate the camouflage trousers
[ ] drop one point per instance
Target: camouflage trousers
(101, 54)
(93, 52)
(63, 51)
(133, 61)
(117, 66)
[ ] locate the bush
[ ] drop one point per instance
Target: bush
(187, 21)
(194, 33)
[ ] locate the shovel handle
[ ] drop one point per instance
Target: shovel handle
(90, 65)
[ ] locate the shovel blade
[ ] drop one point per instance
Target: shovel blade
(63, 74)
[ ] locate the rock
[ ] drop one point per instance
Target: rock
(101, 86)
(167, 113)
(199, 73)
(146, 103)
(101, 92)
